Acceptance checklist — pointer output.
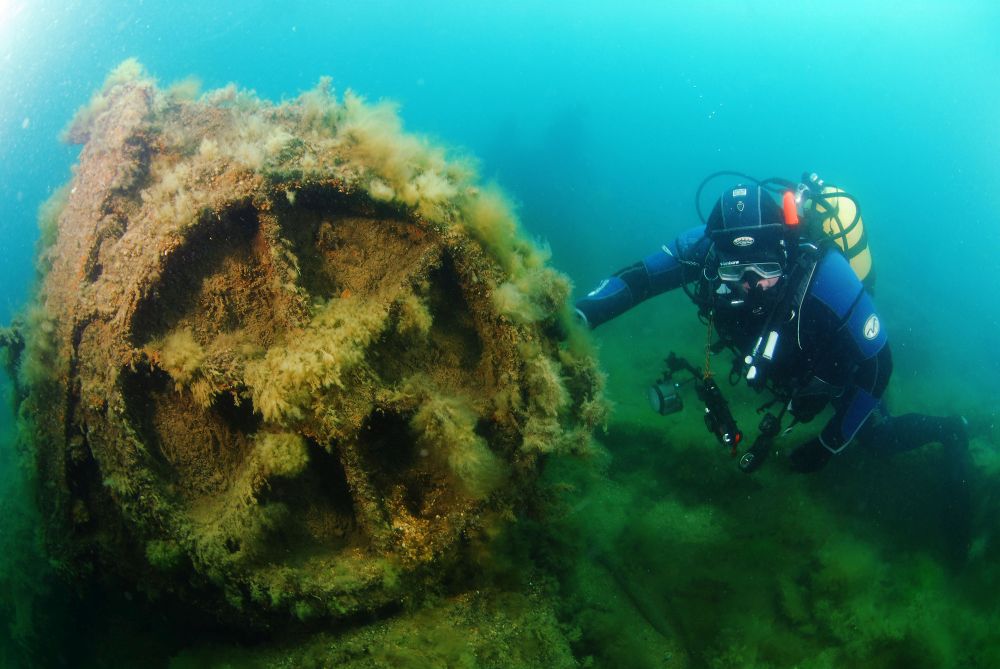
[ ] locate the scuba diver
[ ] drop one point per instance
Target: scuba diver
(786, 287)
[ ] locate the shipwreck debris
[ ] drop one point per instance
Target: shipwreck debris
(286, 357)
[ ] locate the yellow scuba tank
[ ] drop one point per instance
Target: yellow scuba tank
(836, 213)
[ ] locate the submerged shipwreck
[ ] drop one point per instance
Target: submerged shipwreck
(286, 362)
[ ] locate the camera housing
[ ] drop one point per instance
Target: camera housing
(665, 397)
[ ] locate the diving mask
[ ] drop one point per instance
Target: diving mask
(765, 270)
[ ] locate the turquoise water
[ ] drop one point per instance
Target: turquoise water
(600, 119)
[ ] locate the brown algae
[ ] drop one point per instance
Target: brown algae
(286, 358)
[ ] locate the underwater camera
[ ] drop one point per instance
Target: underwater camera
(664, 397)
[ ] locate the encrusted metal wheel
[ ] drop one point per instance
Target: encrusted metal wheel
(285, 358)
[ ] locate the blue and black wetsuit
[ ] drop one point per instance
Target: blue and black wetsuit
(832, 348)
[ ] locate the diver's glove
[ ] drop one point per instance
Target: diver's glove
(811, 456)
(812, 398)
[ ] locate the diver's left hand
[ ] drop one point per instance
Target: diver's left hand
(811, 456)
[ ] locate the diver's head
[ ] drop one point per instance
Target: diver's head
(748, 232)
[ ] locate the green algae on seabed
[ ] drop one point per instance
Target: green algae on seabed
(488, 629)
(847, 568)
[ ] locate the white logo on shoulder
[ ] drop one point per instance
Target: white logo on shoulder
(872, 327)
(743, 241)
(598, 289)
(739, 205)
(739, 192)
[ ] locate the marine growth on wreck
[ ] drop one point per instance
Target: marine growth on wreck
(286, 360)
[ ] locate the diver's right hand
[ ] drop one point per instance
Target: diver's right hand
(806, 407)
